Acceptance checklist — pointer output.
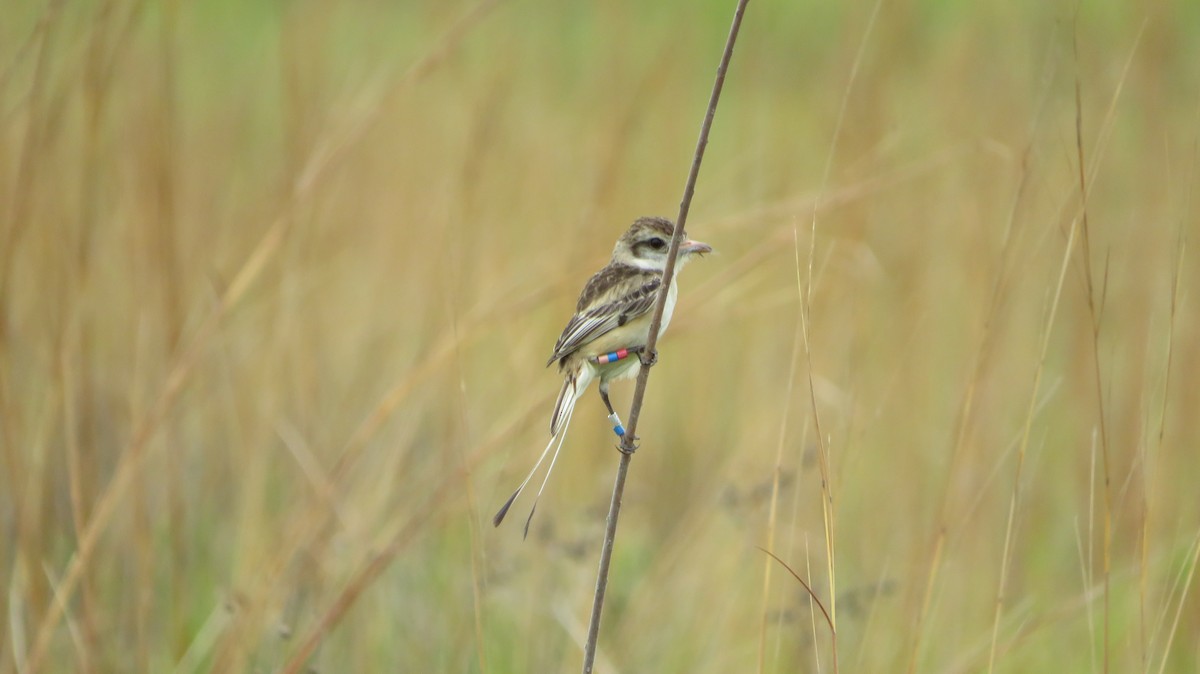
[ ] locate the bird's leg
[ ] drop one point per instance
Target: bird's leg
(627, 445)
(604, 396)
(613, 419)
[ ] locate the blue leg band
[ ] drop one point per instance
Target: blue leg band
(616, 423)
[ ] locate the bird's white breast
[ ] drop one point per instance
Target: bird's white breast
(669, 307)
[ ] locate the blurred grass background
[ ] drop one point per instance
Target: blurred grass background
(278, 282)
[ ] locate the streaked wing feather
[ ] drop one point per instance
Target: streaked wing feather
(589, 325)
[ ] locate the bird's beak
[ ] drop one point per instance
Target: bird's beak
(689, 247)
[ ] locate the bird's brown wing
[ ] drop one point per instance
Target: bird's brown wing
(616, 296)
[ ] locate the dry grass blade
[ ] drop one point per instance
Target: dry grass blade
(134, 455)
(31, 149)
(827, 486)
(813, 595)
(784, 416)
(1190, 574)
(1095, 307)
(967, 408)
(1094, 315)
(268, 246)
(275, 272)
(1147, 473)
(430, 510)
(366, 576)
(1006, 554)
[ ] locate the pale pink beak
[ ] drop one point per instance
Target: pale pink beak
(688, 247)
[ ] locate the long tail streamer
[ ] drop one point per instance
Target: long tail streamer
(561, 436)
(564, 408)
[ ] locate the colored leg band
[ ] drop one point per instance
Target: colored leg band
(614, 356)
(616, 424)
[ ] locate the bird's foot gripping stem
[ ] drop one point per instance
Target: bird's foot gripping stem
(648, 358)
(628, 446)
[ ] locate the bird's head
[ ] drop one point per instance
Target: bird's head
(646, 242)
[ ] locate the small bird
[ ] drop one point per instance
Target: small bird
(611, 322)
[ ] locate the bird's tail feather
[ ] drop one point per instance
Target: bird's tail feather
(573, 387)
(508, 504)
(561, 436)
(564, 407)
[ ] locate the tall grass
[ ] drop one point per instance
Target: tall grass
(278, 281)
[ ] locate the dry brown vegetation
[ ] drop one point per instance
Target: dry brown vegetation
(278, 281)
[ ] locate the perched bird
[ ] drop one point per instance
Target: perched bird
(611, 322)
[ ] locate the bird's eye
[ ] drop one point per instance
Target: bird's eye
(657, 243)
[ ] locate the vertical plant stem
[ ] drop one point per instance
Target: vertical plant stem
(1014, 501)
(639, 392)
(823, 450)
(34, 592)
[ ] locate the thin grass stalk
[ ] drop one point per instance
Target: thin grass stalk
(312, 525)
(133, 457)
(75, 350)
(1191, 573)
(1087, 177)
(812, 595)
(812, 616)
(1096, 310)
(160, 235)
(1089, 564)
(431, 511)
(1148, 476)
(627, 442)
(35, 592)
(1094, 319)
(477, 551)
(980, 359)
(174, 305)
(827, 512)
(775, 474)
(1006, 555)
